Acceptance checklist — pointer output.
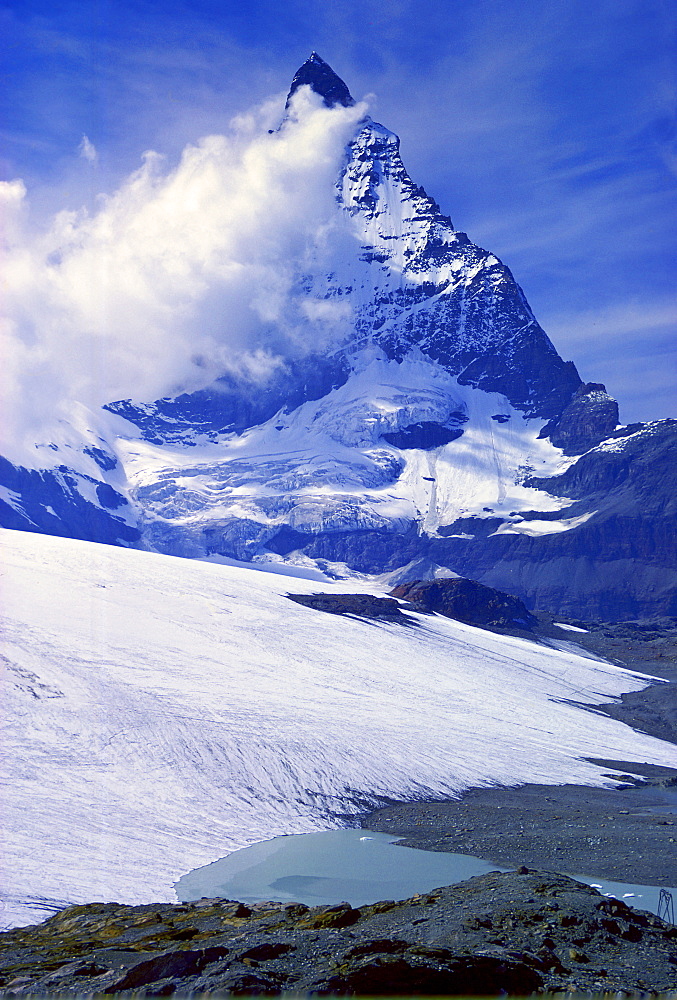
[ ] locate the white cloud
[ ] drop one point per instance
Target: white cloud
(87, 150)
(181, 274)
(326, 310)
(12, 200)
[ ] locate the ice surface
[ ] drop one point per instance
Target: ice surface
(326, 466)
(539, 527)
(160, 713)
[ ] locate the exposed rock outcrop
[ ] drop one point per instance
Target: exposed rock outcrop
(465, 601)
(499, 933)
(358, 605)
(319, 75)
(590, 417)
(64, 502)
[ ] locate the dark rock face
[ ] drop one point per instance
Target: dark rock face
(524, 366)
(232, 404)
(367, 551)
(618, 563)
(597, 571)
(240, 539)
(466, 601)
(590, 417)
(639, 466)
(358, 605)
(319, 75)
(508, 934)
(51, 502)
(425, 435)
(287, 540)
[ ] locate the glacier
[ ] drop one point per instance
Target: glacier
(327, 468)
(160, 713)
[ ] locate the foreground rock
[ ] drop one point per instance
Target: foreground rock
(509, 933)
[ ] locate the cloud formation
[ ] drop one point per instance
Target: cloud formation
(183, 273)
(87, 150)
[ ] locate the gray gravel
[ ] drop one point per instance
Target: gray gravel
(623, 833)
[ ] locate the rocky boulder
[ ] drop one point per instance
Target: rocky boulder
(465, 601)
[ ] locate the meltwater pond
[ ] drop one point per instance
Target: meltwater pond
(355, 866)
(326, 868)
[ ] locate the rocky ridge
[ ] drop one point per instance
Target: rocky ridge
(514, 934)
(590, 417)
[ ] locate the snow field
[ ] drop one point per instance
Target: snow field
(160, 713)
(325, 465)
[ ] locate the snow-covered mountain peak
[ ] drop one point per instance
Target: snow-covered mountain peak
(320, 77)
(410, 408)
(394, 217)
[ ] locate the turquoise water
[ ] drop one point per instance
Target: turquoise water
(355, 866)
(325, 868)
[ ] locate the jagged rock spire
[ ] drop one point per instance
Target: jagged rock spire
(323, 80)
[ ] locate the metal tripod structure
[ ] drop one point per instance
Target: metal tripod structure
(666, 907)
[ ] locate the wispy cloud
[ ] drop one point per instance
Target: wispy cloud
(182, 273)
(631, 346)
(625, 319)
(87, 150)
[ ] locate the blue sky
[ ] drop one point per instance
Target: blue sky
(546, 129)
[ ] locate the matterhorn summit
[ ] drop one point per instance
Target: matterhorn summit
(424, 424)
(321, 78)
